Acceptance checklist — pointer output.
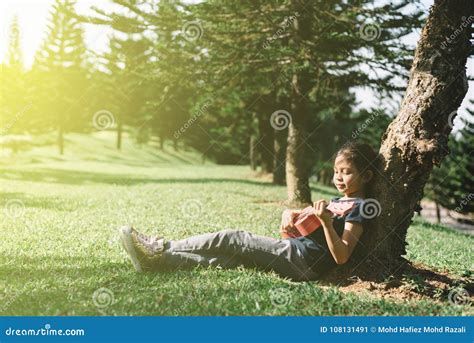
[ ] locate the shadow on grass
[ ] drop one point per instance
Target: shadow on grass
(79, 178)
(419, 221)
(18, 201)
(404, 279)
(66, 285)
(99, 272)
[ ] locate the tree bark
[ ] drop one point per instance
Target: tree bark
(438, 213)
(297, 161)
(119, 135)
(325, 177)
(253, 152)
(265, 141)
(417, 139)
(279, 146)
(61, 139)
(175, 144)
(162, 141)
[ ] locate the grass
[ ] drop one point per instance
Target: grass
(59, 253)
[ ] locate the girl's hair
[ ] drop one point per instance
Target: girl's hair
(361, 155)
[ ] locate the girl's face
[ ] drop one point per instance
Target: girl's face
(347, 178)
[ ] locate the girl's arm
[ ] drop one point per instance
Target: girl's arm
(336, 246)
(341, 248)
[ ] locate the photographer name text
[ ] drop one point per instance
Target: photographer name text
(392, 329)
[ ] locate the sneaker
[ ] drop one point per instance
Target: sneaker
(144, 251)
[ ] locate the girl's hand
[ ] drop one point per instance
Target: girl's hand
(320, 211)
(287, 220)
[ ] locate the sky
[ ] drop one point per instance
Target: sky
(33, 16)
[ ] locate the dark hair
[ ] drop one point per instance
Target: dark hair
(361, 155)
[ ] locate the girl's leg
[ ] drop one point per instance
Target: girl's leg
(189, 260)
(146, 253)
(230, 248)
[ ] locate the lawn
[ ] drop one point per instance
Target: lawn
(59, 253)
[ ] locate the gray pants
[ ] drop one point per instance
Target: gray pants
(231, 248)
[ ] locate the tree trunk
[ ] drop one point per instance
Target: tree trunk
(265, 141)
(417, 139)
(162, 141)
(175, 144)
(297, 159)
(61, 139)
(438, 213)
(280, 137)
(119, 135)
(253, 152)
(325, 177)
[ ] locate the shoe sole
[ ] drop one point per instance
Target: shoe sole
(125, 233)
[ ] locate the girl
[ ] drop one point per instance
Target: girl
(299, 259)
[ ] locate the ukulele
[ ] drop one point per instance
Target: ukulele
(306, 222)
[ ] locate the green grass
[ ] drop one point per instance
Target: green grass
(59, 251)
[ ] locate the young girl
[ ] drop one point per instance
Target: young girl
(299, 259)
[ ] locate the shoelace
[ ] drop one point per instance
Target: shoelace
(142, 236)
(147, 238)
(148, 241)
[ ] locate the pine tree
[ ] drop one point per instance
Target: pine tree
(60, 73)
(126, 81)
(451, 184)
(14, 102)
(465, 192)
(314, 47)
(287, 55)
(14, 58)
(167, 68)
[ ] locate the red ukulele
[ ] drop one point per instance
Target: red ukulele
(306, 222)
